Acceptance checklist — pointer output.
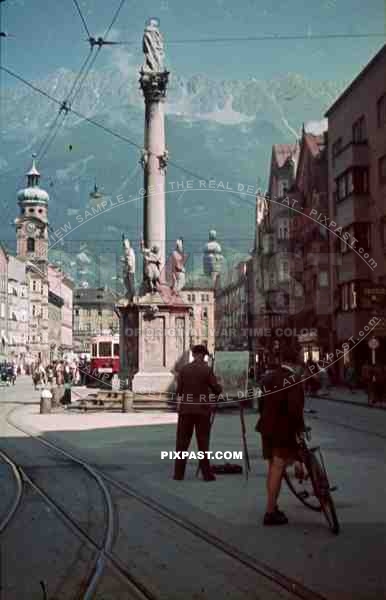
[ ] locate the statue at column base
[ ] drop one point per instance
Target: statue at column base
(128, 268)
(178, 268)
(151, 271)
(151, 312)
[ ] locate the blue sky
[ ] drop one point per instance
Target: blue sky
(49, 35)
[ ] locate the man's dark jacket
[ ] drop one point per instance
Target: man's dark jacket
(196, 388)
(282, 406)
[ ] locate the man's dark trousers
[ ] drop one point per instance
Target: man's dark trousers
(186, 424)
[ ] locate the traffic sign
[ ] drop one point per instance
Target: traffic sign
(373, 343)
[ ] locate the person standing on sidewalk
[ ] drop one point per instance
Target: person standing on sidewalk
(68, 380)
(281, 420)
(196, 384)
(350, 377)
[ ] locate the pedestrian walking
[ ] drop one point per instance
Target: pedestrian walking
(35, 377)
(68, 380)
(9, 374)
(324, 382)
(350, 377)
(59, 373)
(14, 373)
(281, 420)
(196, 387)
(43, 374)
(50, 374)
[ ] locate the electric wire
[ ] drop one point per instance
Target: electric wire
(82, 18)
(117, 135)
(78, 83)
(46, 141)
(115, 17)
(63, 110)
(265, 38)
(1, 64)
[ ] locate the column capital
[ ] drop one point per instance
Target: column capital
(154, 85)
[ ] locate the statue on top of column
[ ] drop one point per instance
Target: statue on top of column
(153, 48)
(152, 267)
(178, 268)
(128, 267)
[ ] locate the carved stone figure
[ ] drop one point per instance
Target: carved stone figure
(153, 48)
(213, 258)
(152, 264)
(128, 267)
(144, 158)
(178, 269)
(151, 312)
(163, 160)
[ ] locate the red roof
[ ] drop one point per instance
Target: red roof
(316, 143)
(282, 152)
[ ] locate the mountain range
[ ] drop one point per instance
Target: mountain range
(221, 130)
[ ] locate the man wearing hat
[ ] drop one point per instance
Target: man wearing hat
(197, 389)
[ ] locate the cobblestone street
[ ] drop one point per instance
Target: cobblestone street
(128, 447)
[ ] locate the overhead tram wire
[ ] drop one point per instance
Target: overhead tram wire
(65, 105)
(3, 35)
(82, 18)
(265, 38)
(79, 80)
(115, 17)
(1, 64)
(115, 134)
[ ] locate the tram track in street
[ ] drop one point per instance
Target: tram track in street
(16, 501)
(210, 542)
(102, 550)
(316, 415)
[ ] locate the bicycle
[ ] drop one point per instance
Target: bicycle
(312, 488)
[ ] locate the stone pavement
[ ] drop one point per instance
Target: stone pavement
(350, 566)
(342, 394)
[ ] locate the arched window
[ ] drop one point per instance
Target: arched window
(30, 245)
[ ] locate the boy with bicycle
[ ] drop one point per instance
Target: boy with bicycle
(280, 422)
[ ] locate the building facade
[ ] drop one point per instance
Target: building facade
(200, 296)
(18, 312)
(273, 293)
(3, 303)
(59, 312)
(357, 204)
(93, 314)
(232, 309)
(67, 288)
(310, 242)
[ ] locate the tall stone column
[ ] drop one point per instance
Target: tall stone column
(156, 322)
(153, 81)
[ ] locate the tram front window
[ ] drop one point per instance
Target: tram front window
(105, 349)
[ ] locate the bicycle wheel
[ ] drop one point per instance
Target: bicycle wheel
(322, 491)
(303, 490)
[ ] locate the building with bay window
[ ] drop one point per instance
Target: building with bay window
(357, 204)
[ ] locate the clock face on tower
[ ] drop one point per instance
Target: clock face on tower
(31, 228)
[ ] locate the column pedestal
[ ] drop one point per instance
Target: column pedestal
(154, 343)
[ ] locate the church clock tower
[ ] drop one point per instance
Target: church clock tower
(32, 247)
(32, 222)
